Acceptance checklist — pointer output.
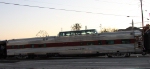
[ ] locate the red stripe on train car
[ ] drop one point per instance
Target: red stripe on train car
(62, 44)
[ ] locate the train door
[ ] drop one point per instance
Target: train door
(3, 50)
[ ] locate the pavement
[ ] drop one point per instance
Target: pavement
(133, 62)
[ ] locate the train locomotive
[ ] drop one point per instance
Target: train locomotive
(79, 43)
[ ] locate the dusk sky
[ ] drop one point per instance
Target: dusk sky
(25, 22)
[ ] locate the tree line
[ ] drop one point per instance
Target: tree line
(78, 26)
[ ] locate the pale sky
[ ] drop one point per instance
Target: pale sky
(25, 22)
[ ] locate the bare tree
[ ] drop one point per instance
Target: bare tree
(108, 30)
(42, 33)
(76, 26)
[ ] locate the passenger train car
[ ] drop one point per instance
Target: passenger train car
(78, 43)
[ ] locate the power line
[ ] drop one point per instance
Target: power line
(63, 9)
(71, 5)
(80, 6)
(118, 3)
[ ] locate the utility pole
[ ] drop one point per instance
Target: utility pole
(132, 25)
(61, 30)
(85, 27)
(142, 13)
(142, 23)
(100, 27)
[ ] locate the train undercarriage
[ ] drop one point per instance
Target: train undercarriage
(56, 55)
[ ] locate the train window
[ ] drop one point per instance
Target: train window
(67, 34)
(23, 46)
(125, 41)
(18, 46)
(83, 32)
(44, 45)
(78, 33)
(109, 41)
(89, 43)
(62, 34)
(81, 43)
(12, 47)
(32, 46)
(72, 33)
(99, 42)
(39, 45)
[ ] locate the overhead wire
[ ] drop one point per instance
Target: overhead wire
(80, 6)
(70, 5)
(118, 3)
(62, 9)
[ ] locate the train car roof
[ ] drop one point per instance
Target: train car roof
(106, 33)
(32, 38)
(79, 30)
(136, 32)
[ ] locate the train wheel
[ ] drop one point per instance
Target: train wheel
(30, 57)
(57, 55)
(127, 55)
(122, 54)
(109, 55)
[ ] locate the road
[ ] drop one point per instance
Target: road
(133, 62)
